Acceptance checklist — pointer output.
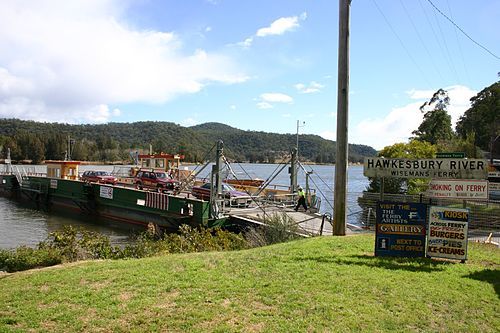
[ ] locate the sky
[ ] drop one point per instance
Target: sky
(255, 65)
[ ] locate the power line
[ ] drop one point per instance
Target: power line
(436, 38)
(421, 40)
(448, 54)
(402, 44)
(459, 45)
(481, 46)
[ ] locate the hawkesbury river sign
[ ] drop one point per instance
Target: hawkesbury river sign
(426, 168)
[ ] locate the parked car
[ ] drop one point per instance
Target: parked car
(102, 177)
(153, 179)
(232, 197)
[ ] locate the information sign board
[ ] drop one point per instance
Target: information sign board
(400, 229)
(425, 168)
(450, 155)
(458, 189)
(447, 233)
(106, 192)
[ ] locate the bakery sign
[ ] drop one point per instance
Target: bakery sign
(425, 168)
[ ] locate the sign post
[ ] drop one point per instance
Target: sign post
(400, 230)
(458, 189)
(426, 168)
(447, 233)
(450, 155)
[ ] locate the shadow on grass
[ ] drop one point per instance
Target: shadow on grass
(488, 275)
(393, 263)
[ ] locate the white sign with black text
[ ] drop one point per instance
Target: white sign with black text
(458, 189)
(106, 192)
(425, 168)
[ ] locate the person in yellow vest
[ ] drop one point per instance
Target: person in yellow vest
(302, 199)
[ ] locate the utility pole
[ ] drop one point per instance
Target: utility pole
(69, 148)
(297, 146)
(340, 195)
(293, 171)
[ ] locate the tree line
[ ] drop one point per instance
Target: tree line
(36, 141)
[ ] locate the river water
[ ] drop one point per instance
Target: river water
(24, 226)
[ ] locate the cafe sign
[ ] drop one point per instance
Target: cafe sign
(425, 168)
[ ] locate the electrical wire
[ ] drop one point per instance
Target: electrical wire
(402, 44)
(461, 30)
(449, 58)
(429, 54)
(459, 46)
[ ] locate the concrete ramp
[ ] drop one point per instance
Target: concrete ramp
(309, 224)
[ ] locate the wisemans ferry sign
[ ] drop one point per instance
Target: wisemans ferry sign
(426, 168)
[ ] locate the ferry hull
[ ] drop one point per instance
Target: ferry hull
(117, 203)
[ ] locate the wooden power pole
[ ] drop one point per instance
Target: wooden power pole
(340, 194)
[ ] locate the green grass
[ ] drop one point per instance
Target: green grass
(326, 284)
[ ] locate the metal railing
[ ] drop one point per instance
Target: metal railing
(484, 214)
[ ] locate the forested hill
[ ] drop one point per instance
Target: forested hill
(29, 140)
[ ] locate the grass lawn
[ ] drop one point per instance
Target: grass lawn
(324, 284)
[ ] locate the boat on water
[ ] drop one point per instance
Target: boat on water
(124, 201)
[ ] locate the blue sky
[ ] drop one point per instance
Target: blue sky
(255, 65)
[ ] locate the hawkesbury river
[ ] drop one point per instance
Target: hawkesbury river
(25, 226)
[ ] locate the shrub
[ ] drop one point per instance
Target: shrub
(78, 244)
(202, 239)
(71, 244)
(24, 258)
(146, 244)
(278, 228)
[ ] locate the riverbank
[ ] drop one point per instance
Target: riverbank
(329, 284)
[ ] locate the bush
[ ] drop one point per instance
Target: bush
(78, 244)
(146, 244)
(71, 244)
(278, 228)
(202, 239)
(24, 258)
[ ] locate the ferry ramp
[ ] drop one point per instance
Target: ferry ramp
(309, 224)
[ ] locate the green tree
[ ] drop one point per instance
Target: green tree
(55, 146)
(414, 149)
(457, 144)
(483, 119)
(36, 150)
(437, 122)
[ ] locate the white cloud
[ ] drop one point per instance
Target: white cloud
(312, 88)
(398, 124)
(276, 98)
(189, 122)
(232, 107)
(329, 135)
(265, 100)
(420, 94)
(28, 109)
(278, 27)
(76, 56)
(264, 105)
